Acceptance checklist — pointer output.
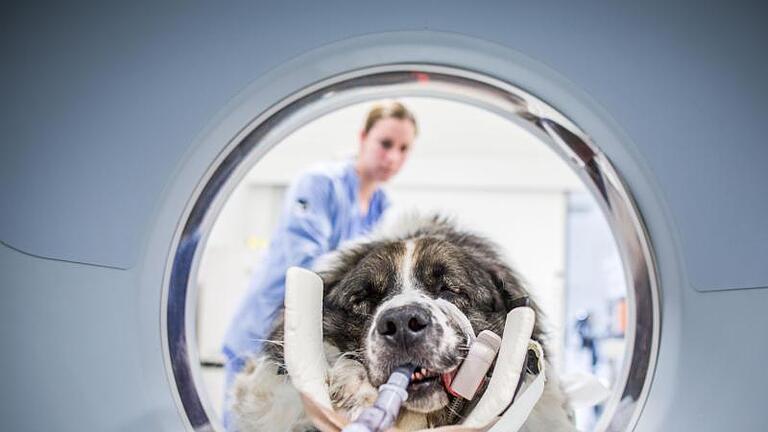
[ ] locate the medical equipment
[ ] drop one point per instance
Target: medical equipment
(510, 367)
(382, 415)
(470, 375)
(303, 338)
(124, 132)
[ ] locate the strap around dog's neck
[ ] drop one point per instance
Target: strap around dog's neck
(517, 413)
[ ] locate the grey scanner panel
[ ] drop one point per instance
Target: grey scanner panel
(129, 91)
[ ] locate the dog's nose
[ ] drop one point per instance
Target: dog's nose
(405, 325)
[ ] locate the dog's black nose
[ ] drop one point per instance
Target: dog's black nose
(405, 325)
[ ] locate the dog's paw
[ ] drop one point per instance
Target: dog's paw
(264, 401)
(349, 387)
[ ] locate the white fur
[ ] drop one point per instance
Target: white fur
(406, 268)
(266, 401)
(349, 387)
(401, 224)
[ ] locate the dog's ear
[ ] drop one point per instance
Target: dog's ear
(512, 292)
(497, 277)
(507, 283)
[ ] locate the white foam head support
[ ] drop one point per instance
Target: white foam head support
(509, 365)
(515, 417)
(303, 339)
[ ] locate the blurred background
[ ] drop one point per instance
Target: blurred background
(495, 178)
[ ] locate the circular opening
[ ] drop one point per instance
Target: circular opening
(525, 111)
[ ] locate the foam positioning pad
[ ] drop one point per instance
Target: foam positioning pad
(303, 339)
(509, 365)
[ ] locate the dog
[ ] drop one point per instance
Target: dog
(385, 305)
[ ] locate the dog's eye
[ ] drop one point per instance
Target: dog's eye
(364, 300)
(451, 293)
(369, 287)
(437, 276)
(438, 271)
(443, 288)
(361, 307)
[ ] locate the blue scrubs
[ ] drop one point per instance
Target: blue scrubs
(321, 211)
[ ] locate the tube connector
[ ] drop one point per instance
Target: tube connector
(382, 415)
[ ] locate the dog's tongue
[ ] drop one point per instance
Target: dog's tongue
(447, 380)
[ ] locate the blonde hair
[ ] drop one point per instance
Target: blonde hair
(389, 109)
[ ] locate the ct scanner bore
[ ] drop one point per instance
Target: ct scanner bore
(114, 119)
(448, 83)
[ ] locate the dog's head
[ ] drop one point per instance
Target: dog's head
(407, 298)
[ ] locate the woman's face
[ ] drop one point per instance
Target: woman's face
(385, 147)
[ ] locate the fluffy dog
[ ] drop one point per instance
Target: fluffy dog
(386, 303)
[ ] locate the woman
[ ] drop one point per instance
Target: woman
(324, 207)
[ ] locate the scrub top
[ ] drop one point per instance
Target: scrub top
(321, 211)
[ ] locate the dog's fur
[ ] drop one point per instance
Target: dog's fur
(415, 269)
